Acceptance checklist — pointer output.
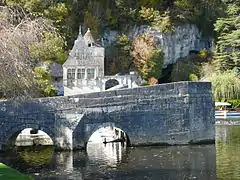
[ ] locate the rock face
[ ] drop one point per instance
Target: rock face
(177, 44)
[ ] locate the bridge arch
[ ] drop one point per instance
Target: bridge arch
(111, 83)
(95, 128)
(13, 132)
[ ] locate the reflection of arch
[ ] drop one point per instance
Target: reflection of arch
(106, 155)
(16, 130)
(111, 83)
(97, 127)
(36, 156)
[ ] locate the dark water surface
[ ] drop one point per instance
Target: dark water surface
(115, 161)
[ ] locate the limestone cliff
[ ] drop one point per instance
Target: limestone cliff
(177, 44)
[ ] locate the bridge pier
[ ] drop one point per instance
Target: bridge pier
(64, 139)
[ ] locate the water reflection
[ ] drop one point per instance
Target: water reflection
(115, 161)
(186, 162)
(36, 156)
(109, 154)
(228, 152)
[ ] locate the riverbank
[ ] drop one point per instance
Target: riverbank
(230, 122)
(11, 174)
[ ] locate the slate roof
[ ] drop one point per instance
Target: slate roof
(80, 48)
(56, 70)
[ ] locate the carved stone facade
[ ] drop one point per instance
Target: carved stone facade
(83, 72)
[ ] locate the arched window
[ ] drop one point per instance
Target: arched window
(111, 83)
(71, 73)
(81, 73)
(90, 73)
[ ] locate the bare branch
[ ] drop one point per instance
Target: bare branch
(18, 31)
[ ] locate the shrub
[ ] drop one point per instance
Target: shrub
(226, 85)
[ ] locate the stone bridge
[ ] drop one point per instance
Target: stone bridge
(174, 113)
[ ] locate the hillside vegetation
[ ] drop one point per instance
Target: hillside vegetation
(56, 24)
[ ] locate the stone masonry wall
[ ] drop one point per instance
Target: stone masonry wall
(174, 113)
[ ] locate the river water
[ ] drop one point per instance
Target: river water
(115, 161)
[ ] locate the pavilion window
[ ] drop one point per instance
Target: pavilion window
(90, 73)
(81, 73)
(71, 73)
(100, 72)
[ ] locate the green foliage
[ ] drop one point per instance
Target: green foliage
(153, 67)
(120, 59)
(126, 13)
(235, 103)
(124, 43)
(226, 85)
(185, 10)
(203, 13)
(205, 55)
(193, 77)
(120, 14)
(9, 173)
(66, 15)
(228, 44)
(148, 59)
(51, 48)
(155, 19)
(124, 47)
(92, 22)
(110, 18)
(57, 13)
(43, 79)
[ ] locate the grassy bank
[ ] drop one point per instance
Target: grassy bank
(11, 174)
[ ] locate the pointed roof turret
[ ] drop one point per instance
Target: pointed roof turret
(88, 37)
(80, 31)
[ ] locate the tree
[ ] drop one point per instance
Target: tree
(50, 47)
(119, 58)
(18, 33)
(124, 48)
(153, 17)
(92, 22)
(226, 85)
(148, 59)
(43, 80)
(228, 45)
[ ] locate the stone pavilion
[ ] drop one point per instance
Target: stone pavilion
(83, 72)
